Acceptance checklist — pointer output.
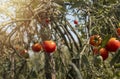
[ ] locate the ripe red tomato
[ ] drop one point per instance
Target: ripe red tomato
(112, 45)
(47, 21)
(95, 40)
(95, 51)
(118, 31)
(75, 22)
(36, 47)
(24, 53)
(103, 52)
(49, 46)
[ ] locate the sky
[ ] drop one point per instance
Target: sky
(3, 18)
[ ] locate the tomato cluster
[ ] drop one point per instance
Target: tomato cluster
(112, 45)
(48, 46)
(102, 51)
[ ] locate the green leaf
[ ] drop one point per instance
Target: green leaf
(34, 74)
(85, 60)
(119, 24)
(117, 65)
(115, 58)
(63, 9)
(59, 2)
(78, 4)
(22, 76)
(105, 40)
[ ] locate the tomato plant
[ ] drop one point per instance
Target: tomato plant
(49, 46)
(95, 40)
(113, 44)
(69, 23)
(36, 47)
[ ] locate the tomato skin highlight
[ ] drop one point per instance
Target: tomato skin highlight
(113, 44)
(95, 40)
(49, 46)
(36, 47)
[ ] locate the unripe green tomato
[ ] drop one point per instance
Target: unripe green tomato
(97, 60)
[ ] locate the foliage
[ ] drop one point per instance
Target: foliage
(23, 23)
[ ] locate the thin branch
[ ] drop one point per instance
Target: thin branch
(79, 76)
